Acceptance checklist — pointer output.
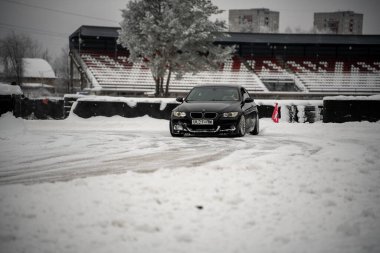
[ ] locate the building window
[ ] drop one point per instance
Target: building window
(247, 19)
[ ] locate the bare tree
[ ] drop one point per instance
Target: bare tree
(15, 47)
(45, 55)
(288, 29)
(12, 50)
(62, 70)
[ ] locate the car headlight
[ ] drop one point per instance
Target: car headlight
(179, 114)
(230, 114)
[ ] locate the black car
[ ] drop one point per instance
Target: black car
(215, 109)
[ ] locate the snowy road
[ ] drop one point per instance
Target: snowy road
(81, 154)
(125, 185)
(58, 152)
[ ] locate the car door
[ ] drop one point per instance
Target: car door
(249, 109)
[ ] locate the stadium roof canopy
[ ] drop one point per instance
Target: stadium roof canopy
(259, 38)
(96, 31)
(281, 38)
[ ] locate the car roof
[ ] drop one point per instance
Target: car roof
(220, 85)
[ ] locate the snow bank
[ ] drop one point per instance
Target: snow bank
(14, 126)
(131, 101)
(74, 96)
(7, 89)
(373, 97)
(115, 123)
(37, 85)
(289, 102)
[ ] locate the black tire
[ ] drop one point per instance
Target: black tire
(241, 127)
(172, 132)
(256, 130)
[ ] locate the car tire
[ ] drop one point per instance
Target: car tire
(256, 130)
(241, 127)
(172, 132)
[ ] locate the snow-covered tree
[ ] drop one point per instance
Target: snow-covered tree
(173, 36)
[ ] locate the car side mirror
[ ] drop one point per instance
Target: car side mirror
(179, 99)
(248, 100)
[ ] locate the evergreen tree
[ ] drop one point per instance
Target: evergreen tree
(173, 36)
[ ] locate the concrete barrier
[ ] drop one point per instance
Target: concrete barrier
(6, 103)
(90, 106)
(87, 109)
(346, 110)
(40, 108)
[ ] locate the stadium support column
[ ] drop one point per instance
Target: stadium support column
(71, 83)
(81, 80)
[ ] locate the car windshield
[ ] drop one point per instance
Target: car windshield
(213, 94)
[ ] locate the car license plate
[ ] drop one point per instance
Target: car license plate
(202, 122)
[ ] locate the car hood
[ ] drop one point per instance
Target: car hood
(209, 106)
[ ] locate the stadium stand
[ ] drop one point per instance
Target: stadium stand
(322, 75)
(337, 75)
(263, 63)
(118, 73)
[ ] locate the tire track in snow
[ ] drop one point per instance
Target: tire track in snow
(114, 153)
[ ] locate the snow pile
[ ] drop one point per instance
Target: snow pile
(125, 185)
(6, 89)
(11, 127)
(37, 68)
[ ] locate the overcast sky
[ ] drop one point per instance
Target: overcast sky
(52, 21)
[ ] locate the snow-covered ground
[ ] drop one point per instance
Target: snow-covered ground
(125, 185)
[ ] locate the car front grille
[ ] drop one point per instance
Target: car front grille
(209, 115)
(196, 115)
(206, 115)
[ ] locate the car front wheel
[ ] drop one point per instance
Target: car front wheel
(256, 130)
(241, 128)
